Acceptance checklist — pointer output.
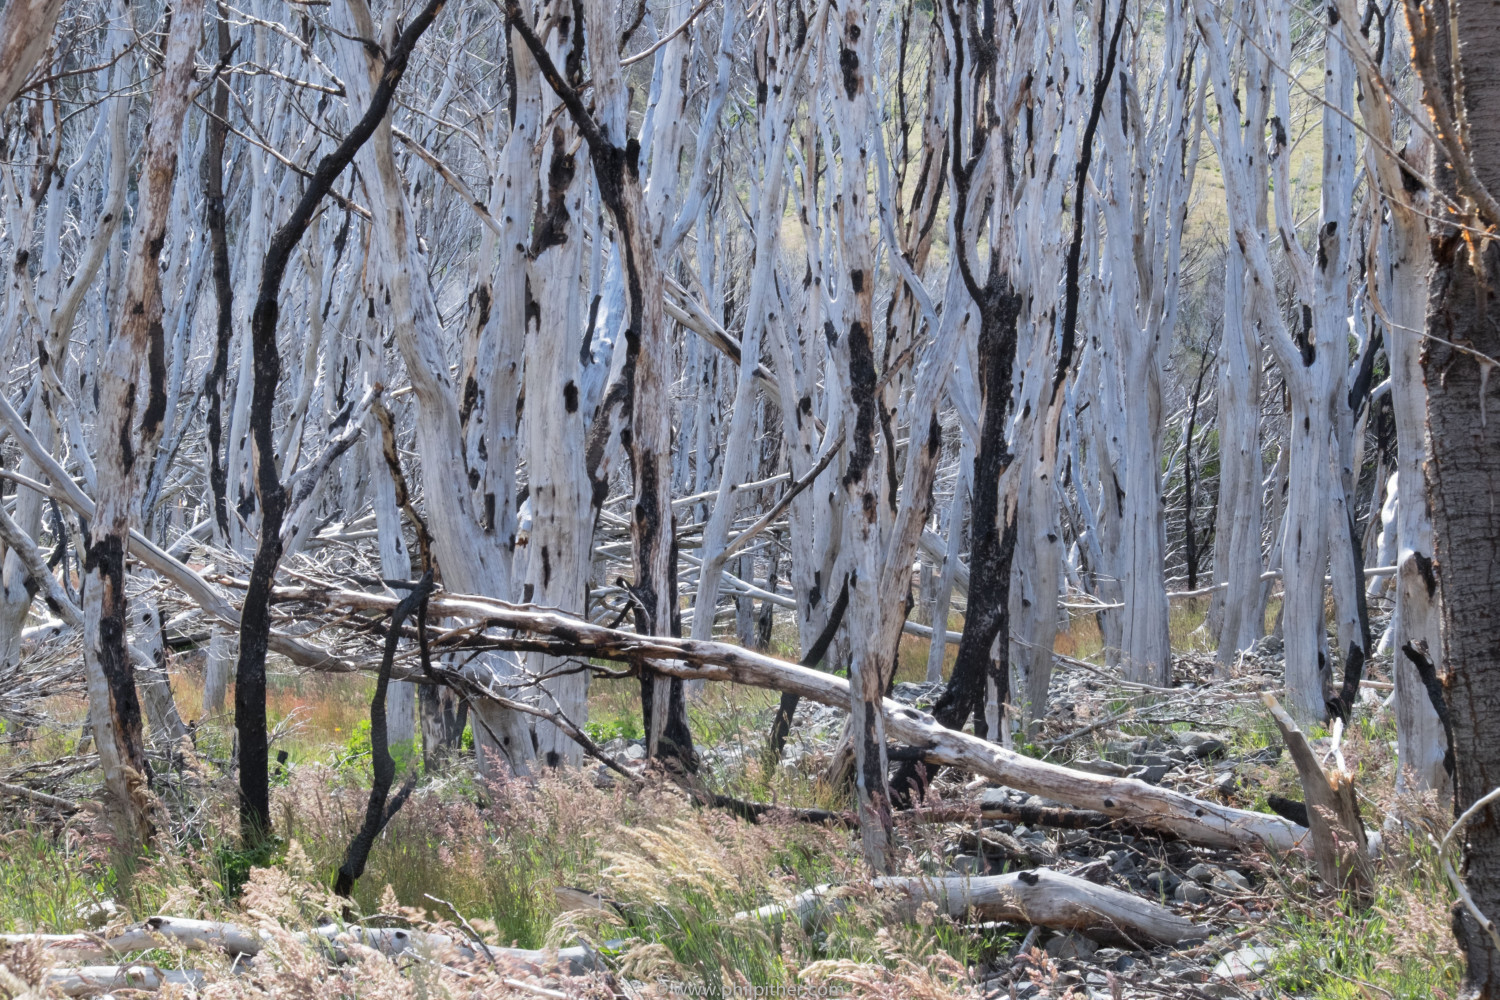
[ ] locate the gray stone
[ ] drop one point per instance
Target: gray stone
(1200, 873)
(999, 798)
(635, 752)
(1071, 945)
(966, 864)
(1231, 881)
(1073, 838)
(1244, 963)
(1152, 774)
(1105, 767)
(1209, 749)
(1162, 883)
(1191, 892)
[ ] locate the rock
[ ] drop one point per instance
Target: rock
(1244, 963)
(1153, 759)
(966, 864)
(999, 798)
(1200, 873)
(1209, 749)
(1270, 647)
(1151, 774)
(1176, 968)
(1231, 881)
(1162, 883)
(634, 752)
(1120, 862)
(1191, 892)
(918, 695)
(1073, 838)
(1105, 767)
(1071, 945)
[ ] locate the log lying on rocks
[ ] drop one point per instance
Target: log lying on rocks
(1042, 898)
(154, 932)
(92, 980)
(545, 631)
(1053, 816)
(234, 940)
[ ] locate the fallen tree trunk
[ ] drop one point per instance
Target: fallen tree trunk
(154, 932)
(1142, 804)
(92, 980)
(1058, 818)
(234, 940)
(1043, 898)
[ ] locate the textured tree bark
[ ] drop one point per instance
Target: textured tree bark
(1313, 358)
(994, 537)
(468, 556)
(1237, 541)
(562, 514)
(851, 333)
(648, 360)
(1400, 299)
(1042, 898)
(255, 622)
(1338, 833)
(128, 431)
(25, 30)
(218, 236)
(1463, 423)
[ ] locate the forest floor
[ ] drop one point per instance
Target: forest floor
(657, 887)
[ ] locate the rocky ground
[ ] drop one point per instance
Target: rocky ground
(1229, 893)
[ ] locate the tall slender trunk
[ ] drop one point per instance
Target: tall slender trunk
(130, 425)
(1463, 423)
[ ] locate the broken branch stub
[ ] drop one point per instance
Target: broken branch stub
(1339, 847)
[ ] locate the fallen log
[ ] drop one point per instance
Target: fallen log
(93, 980)
(1053, 816)
(550, 632)
(235, 940)
(154, 932)
(42, 798)
(1042, 898)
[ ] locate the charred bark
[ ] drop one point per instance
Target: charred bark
(1463, 421)
(255, 622)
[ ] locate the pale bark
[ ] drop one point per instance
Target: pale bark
(1400, 298)
(128, 432)
(25, 30)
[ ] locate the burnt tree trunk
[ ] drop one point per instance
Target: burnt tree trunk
(255, 621)
(1463, 419)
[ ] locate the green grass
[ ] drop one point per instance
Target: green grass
(1400, 948)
